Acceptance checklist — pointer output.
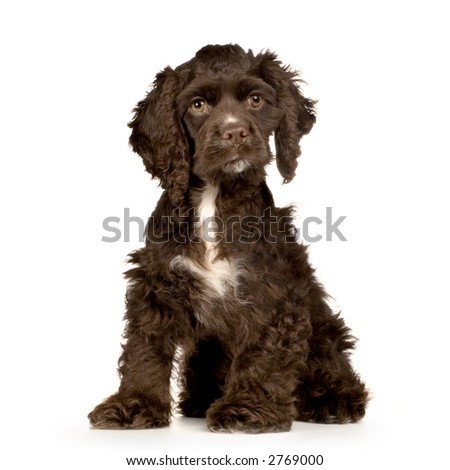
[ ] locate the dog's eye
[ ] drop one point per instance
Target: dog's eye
(255, 100)
(199, 105)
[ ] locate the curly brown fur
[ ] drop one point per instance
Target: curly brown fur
(221, 277)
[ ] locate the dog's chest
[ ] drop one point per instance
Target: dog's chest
(218, 275)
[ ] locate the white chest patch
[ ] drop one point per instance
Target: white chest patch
(207, 206)
(218, 275)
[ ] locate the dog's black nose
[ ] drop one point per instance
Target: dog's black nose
(235, 135)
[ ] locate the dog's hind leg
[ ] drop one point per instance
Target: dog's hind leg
(330, 391)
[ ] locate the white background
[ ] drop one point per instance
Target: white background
(71, 73)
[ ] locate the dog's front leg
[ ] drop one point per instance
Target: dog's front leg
(257, 398)
(143, 399)
(260, 386)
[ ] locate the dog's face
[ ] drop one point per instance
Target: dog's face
(229, 123)
(213, 117)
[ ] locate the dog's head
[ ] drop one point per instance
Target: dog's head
(213, 116)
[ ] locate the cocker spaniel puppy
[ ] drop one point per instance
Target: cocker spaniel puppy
(222, 285)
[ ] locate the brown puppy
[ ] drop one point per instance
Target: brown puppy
(222, 277)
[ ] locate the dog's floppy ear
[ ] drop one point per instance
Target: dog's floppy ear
(298, 112)
(158, 137)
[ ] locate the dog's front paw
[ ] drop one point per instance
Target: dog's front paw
(248, 417)
(130, 412)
